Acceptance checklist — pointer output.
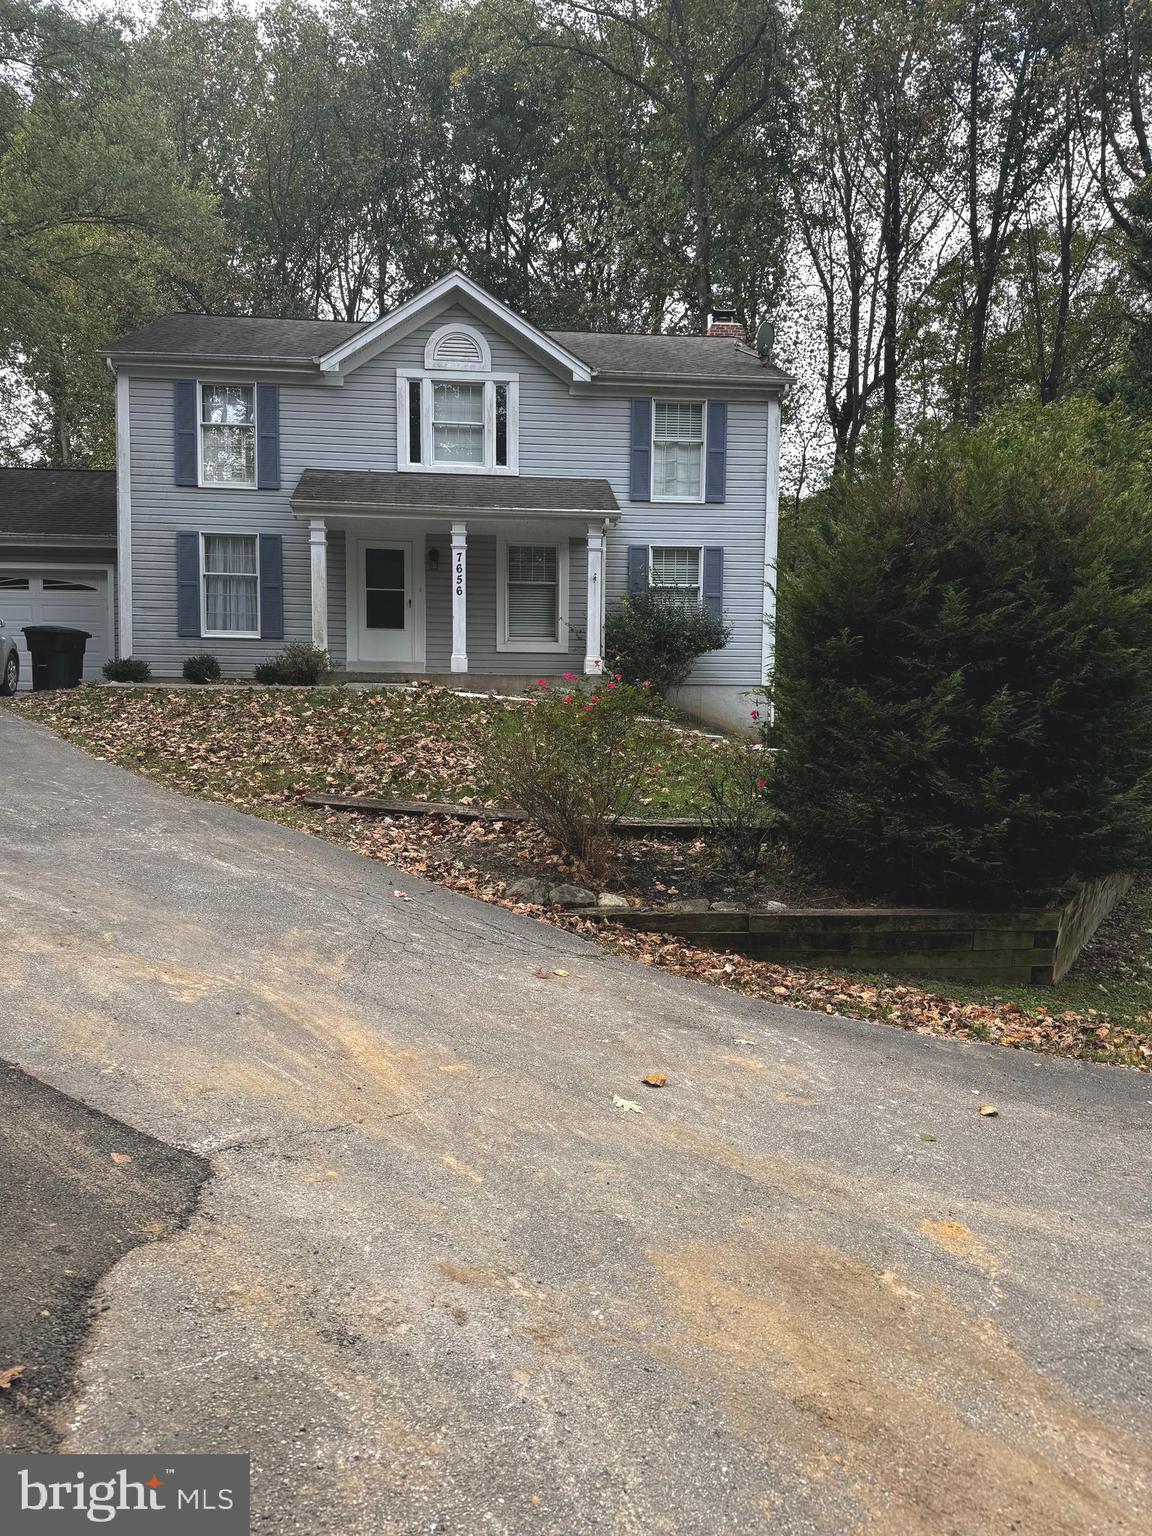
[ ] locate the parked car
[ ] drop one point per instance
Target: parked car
(9, 663)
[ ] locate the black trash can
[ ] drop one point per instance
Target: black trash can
(57, 654)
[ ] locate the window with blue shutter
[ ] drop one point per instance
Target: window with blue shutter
(640, 457)
(188, 585)
(713, 584)
(185, 426)
(716, 453)
(268, 437)
(271, 586)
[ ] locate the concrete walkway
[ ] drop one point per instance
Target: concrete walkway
(440, 1283)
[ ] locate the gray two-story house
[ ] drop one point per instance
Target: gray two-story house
(445, 492)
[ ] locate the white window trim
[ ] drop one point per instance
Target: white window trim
(437, 336)
(230, 485)
(228, 634)
(689, 500)
(661, 587)
(563, 642)
(428, 376)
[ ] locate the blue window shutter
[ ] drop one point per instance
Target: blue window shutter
(184, 420)
(640, 461)
(716, 451)
(713, 593)
(271, 586)
(637, 567)
(188, 584)
(268, 437)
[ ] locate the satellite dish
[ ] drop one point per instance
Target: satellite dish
(765, 340)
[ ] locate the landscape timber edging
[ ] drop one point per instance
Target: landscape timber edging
(1033, 947)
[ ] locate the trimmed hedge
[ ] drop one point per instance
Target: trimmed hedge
(963, 686)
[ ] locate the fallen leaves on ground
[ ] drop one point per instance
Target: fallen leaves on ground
(628, 1105)
(654, 1080)
(989, 1111)
(9, 1375)
(262, 749)
(120, 1157)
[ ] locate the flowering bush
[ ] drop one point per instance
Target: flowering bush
(737, 806)
(576, 761)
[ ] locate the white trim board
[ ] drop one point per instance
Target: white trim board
(452, 288)
(122, 633)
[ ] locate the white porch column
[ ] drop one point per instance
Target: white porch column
(318, 548)
(459, 597)
(593, 660)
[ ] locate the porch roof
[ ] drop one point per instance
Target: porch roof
(405, 494)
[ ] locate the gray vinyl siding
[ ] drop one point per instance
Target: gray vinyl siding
(354, 427)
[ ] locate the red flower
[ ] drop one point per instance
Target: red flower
(587, 706)
(569, 700)
(541, 682)
(761, 783)
(611, 685)
(755, 714)
(619, 677)
(569, 677)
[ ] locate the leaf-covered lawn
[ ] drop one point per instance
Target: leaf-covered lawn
(256, 746)
(261, 749)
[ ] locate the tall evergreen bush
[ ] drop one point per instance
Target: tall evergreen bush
(963, 694)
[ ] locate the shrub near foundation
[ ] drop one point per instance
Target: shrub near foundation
(576, 761)
(963, 685)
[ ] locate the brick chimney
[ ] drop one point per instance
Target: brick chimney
(725, 323)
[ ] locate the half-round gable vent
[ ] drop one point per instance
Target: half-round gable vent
(457, 347)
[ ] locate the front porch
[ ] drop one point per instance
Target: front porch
(433, 575)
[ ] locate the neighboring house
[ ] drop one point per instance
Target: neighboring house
(445, 492)
(58, 557)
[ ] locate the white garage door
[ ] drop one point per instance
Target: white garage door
(58, 596)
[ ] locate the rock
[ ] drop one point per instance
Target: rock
(691, 904)
(611, 899)
(530, 889)
(726, 906)
(773, 906)
(571, 896)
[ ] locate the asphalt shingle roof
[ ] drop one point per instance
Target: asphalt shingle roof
(230, 336)
(303, 341)
(453, 493)
(56, 505)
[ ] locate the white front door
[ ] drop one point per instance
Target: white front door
(386, 602)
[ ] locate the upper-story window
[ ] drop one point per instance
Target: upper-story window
(228, 434)
(457, 414)
(678, 450)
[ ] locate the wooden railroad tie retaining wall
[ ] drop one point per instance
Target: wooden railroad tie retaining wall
(1010, 947)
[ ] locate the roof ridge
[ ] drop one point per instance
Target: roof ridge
(211, 314)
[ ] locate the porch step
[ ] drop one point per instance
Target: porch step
(678, 825)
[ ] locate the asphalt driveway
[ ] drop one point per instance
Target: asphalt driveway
(440, 1282)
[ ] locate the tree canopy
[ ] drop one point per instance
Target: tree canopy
(936, 204)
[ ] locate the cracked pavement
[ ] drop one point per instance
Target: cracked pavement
(438, 1283)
